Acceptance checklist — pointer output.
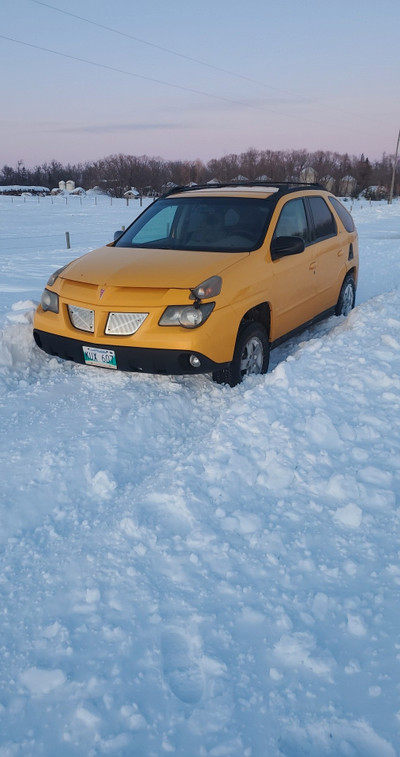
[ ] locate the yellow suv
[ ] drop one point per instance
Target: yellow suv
(206, 280)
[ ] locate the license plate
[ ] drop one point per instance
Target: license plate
(99, 356)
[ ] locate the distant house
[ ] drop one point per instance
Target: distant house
(328, 182)
(308, 175)
(132, 194)
(347, 186)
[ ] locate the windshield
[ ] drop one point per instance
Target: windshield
(212, 224)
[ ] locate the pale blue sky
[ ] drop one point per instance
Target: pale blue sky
(188, 79)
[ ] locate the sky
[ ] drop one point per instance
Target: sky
(189, 80)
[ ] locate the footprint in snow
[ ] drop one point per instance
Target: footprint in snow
(181, 671)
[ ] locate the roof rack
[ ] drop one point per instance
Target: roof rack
(282, 186)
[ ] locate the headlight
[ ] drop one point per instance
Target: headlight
(209, 288)
(55, 275)
(188, 316)
(49, 301)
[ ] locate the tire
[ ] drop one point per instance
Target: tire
(347, 296)
(251, 356)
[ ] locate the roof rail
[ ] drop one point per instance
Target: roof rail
(281, 185)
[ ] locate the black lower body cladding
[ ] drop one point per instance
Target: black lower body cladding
(133, 359)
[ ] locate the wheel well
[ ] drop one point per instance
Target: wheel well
(259, 314)
(352, 272)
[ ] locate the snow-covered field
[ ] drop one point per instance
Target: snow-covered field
(190, 569)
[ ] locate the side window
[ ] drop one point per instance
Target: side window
(343, 214)
(324, 222)
(292, 221)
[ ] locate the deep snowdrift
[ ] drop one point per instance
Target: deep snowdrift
(191, 569)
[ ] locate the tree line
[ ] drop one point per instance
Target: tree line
(118, 173)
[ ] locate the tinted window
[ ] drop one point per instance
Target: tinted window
(293, 221)
(343, 214)
(212, 224)
(324, 222)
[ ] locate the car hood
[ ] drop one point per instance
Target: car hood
(143, 267)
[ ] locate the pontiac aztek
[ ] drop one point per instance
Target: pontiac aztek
(206, 280)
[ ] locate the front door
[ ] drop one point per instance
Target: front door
(294, 289)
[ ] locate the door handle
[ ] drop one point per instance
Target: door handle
(313, 265)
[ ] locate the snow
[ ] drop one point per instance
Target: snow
(191, 569)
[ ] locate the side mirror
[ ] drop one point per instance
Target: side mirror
(117, 234)
(282, 246)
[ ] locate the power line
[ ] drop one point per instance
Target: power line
(168, 50)
(159, 81)
(151, 79)
(121, 71)
(297, 95)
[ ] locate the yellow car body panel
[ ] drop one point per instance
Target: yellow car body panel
(148, 268)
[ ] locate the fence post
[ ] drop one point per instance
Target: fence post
(68, 240)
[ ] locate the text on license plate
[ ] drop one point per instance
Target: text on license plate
(97, 356)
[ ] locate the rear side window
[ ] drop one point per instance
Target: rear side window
(343, 214)
(293, 221)
(324, 222)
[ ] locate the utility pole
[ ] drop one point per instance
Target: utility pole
(394, 171)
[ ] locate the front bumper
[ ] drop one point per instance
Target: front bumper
(135, 359)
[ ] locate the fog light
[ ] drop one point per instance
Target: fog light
(194, 361)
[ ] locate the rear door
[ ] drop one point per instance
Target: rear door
(328, 252)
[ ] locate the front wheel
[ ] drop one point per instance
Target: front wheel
(347, 296)
(251, 356)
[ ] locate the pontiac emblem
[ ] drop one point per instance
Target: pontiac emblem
(101, 293)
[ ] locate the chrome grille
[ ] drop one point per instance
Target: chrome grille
(81, 318)
(123, 324)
